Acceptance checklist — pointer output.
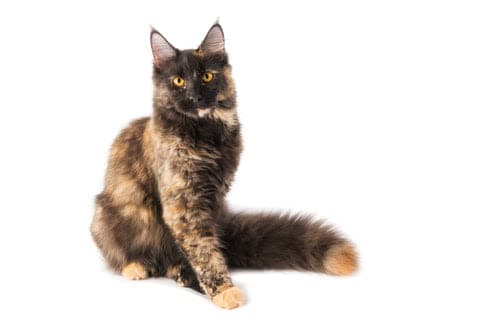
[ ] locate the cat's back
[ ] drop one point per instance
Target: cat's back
(130, 157)
(128, 148)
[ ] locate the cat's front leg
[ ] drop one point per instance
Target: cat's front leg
(194, 231)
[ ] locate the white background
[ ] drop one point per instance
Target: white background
(363, 112)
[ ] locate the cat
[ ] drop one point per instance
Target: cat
(162, 211)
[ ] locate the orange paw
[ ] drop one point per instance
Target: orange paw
(230, 298)
(134, 271)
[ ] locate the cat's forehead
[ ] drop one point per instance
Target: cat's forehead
(187, 60)
(191, 61)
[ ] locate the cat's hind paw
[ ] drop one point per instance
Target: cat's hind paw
(134, 271)
(230, 298)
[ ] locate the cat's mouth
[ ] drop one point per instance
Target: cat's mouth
(195, 109)
(196, 112)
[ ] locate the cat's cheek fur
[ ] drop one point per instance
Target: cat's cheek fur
(227, 116)
(161, 94)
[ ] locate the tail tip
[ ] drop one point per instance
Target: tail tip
(341, 260)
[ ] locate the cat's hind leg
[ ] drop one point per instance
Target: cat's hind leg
(102, 231)
(127, 236)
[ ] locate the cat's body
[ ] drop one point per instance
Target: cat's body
(163, 210)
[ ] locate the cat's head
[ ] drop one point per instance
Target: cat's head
(195, 83)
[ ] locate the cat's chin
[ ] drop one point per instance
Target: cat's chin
(196, 113)
(204, 112)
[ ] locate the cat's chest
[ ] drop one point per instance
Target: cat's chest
(193, 159)
(198, 159)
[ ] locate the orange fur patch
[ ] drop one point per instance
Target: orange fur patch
(230, 298)
(341, 260)
(139, 213)
(134, 271)
(229, 117)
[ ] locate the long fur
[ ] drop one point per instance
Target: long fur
(276, 241)
(163, 212)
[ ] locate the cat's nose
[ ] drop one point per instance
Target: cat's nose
(195, 98)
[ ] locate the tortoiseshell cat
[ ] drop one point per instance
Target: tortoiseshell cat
(163, 211)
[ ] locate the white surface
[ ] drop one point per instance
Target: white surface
(364, 112)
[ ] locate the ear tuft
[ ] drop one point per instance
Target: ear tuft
(214, 41)
(162, 50)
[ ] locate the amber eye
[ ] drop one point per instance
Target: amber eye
(178, 82)
(207, 77)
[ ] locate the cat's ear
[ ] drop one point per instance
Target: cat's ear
(214, 41)
(162, 49)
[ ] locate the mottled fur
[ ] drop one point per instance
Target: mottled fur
(162, 211)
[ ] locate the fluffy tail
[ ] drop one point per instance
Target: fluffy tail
(272, 241)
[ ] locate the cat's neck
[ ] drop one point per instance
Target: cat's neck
(214, 130)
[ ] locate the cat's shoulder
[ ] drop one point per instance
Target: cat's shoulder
(134, 130)
(129, 142)
(136, 125)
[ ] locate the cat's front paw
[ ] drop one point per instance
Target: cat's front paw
(229, 298)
